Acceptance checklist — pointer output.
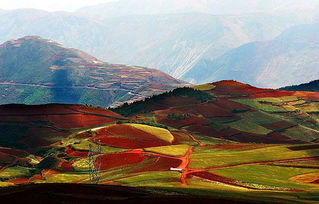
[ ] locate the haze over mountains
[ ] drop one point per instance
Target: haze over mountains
(216, 7)
(291, 58)
(38, 71)
(173, 36)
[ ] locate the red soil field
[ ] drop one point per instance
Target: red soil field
(273, 93)
(72, 153)
(47, 124)
(229, 87)
(126, 136)
(281, 125)
(66, 166)
(62, 116)
(109, 161)
(281, 139)
(19, 181)
(312, 96)
(230, 105)
(205, 109)
(25, 180)
(315, 182)
(126, 143)
(79, 121)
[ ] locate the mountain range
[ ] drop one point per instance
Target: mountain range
(39, 71)
(289, 59)
(173, 36)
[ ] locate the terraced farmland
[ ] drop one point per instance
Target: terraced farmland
(227, 141)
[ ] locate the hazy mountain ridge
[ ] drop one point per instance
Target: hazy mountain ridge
(173, 43)
(177, 38)
(291, 58)
(36, 71)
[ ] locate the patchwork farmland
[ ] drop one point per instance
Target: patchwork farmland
(224, 141)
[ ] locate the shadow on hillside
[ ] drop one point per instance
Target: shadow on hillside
(63, 91)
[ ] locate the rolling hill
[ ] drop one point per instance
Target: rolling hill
(222, 142)
(38, 71)
(234, 111)
(291, 58)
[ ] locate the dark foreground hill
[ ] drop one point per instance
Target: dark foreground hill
(219, 143)
(86, 193)
(38, 71)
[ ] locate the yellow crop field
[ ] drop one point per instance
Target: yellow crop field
(173, 150)
(160, 133)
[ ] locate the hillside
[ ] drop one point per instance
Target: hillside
(311, 86)
(219, 142)
(291, 58)
(234, 111)
(38, 71)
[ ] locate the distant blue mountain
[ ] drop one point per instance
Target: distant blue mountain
(291, 58)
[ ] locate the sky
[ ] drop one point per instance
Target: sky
(49, 5)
